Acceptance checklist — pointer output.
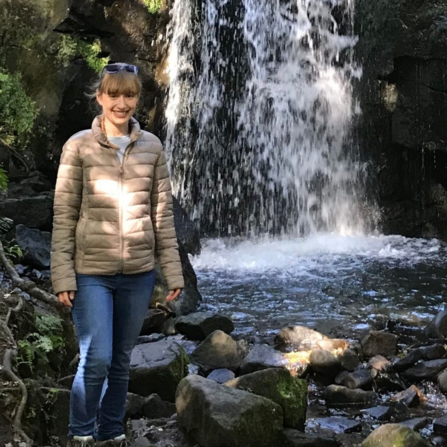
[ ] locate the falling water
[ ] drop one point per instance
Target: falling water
(259, 116)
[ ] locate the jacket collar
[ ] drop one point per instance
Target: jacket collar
(135, 131)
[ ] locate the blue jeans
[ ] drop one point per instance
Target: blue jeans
(108, 313)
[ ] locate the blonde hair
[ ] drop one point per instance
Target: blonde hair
(120, 83)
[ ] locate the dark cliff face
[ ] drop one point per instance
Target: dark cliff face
(58, 79)
(403, 128)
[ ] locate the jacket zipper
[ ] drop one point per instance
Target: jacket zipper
(121, 213)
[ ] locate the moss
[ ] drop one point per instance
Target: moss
(294, 390)
(179, 368)
(153, 6)
(72, 48)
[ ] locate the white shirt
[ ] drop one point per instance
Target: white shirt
(122, 142)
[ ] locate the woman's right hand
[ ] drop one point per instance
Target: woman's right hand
(66, 297)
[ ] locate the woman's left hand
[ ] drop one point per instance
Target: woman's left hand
(173, 294)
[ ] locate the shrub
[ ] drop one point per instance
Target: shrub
(72, 48)
(17, 111)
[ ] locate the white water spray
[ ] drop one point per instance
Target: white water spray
(261, 142)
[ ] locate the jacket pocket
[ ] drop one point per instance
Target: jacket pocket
(80, 235)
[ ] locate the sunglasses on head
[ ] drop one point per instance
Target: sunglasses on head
(115, 68)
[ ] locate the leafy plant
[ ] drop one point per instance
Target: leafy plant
(12, 250)
(38, 345)
(17, 111)
(153, 6)
(72, 48)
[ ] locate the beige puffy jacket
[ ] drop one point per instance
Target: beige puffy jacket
(110, 218)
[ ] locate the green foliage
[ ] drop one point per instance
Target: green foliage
(72, 48)
(12, 250)
(17, 111)
(38, 345)
(153, 6)
(3, 180)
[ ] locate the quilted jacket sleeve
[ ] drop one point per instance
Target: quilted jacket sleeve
(163, 223)
(67, 203)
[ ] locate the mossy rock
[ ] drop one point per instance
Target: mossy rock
(278, 385)
(394, 435)
(157, 368)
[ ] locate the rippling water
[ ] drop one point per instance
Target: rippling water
(332, 283)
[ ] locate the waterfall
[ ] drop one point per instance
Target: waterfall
(259, 116)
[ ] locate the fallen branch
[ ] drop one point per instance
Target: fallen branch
(29, 286)
(7, 368)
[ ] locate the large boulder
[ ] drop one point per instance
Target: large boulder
(157, 368)
(189, 298)
(35, 245)
(299, 338)
(379, 343)
(394, 435)
(218, 350)
(437, 328)
(262, 357)
(280, 386)
(219, 416)
(197, 326)
(32, 211)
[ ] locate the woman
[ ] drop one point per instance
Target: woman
(112, 211)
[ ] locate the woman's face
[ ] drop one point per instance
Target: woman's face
(117, 108)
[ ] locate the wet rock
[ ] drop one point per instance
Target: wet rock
(349, 359)
(425, 370)
(410, 397)
(186, 230)
(442, 381)
(218, 350)
(199, 325)
(157, 368)
(379, 363)
(381, 412)
(35, 245)
(408, 360)
(261, 357)
(324, 362)
(154, 322)
(332, 344)
(433, 352)
(340, 377)
(440, 425)
(393, 435)
(190, 296)
(299, 338)
(379, 343)
(384, 381)
(150, 338)
(338, 424)
(437, 328)
(221, 375)
(358, 379)
(154, 407)
(294, 438)
(169, 327)
(339, 396)
(280, 386)
(134, 404)
(416, 423)
(212, 413)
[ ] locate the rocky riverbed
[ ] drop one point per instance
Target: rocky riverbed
(193, 384)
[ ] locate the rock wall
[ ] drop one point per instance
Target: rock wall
(37, 41)
(403, 128)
